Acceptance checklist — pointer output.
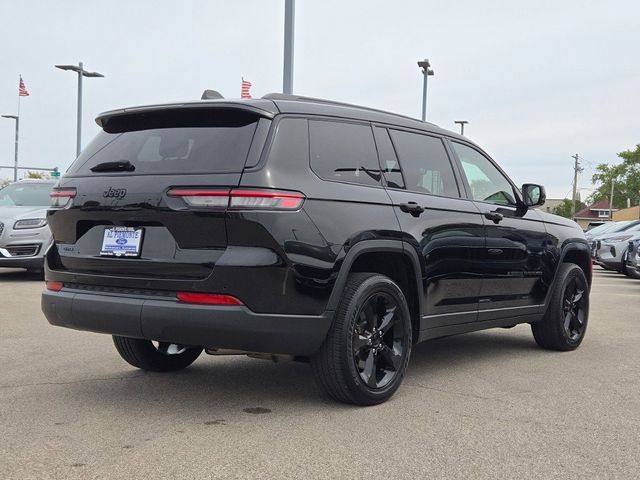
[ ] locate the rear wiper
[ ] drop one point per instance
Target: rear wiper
(119, 166)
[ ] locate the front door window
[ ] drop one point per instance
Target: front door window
(487, 183)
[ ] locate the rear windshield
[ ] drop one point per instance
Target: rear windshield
(175, 141)
(26, 195)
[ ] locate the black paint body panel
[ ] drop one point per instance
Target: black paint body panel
(469, 272)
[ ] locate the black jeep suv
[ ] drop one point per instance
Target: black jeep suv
(290, 226)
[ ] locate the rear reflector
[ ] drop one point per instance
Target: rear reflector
(53, 286)
(239, 199)
(61, 198)
(207, 298)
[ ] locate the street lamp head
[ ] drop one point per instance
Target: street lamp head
(14, 117)
(424, 63)
(78, 69)
(91, 74)
(73, 68)
(430, 71)
(461, 122)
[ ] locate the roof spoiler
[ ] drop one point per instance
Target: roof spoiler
(211, 95)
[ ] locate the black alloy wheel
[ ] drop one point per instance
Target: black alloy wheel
(564, 323)
(365, 354)
(574, 308)
(155, 356)
(379, 340)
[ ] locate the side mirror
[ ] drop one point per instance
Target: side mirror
(533, 195)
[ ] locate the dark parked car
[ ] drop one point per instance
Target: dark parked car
(289, 226)
(631, 259)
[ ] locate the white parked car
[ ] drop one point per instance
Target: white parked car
(24, 233)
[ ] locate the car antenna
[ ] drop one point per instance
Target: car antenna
(211, 95)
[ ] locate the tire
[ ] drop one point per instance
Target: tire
(565, 322)
(162, 358)
(623, 267)
(629, 272)
(633, 273)
(356, 363)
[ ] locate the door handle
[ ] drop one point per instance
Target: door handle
(411, 207)
(495, 217)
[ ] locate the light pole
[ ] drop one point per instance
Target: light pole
(462, 123)
(289, 21)
(426, 71)
(15, 160)
(81, 73)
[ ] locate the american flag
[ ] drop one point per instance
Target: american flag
(244, 90)
(22, 90)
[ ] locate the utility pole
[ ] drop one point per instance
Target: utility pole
(613, 182)
(576, 169)
(289, 22)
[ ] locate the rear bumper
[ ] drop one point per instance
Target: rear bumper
(26, 262)
(168, 320)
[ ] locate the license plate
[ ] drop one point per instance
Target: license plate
(121, 242)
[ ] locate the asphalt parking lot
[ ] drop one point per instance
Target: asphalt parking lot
(482, 405)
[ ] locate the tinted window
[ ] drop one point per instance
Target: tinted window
(26, 195)
(487, 183)
(343, 152)
(425, 163)
(390, 166)
(172, 142)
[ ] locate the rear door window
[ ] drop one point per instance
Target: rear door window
(172, 142)
(426, 165)
(344, 152)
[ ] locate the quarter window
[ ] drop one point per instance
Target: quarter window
(390, 166)
(426, 165)
(487, 183)
(344, 152)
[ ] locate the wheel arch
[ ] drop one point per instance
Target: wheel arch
(386, 257)
(577, 253)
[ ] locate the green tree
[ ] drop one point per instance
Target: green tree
(37, 175)
(627, 180)
(564, 209)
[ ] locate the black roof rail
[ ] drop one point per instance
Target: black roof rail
(299, 98)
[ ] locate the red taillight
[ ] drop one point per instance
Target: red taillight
(239, 199)
(207, 298)
(202, 197)
(61, 198)
(265, 199)
(54, 286)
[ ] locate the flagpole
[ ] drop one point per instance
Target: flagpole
(15, 160)
(19, 95)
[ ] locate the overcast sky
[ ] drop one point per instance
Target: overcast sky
(538, 81)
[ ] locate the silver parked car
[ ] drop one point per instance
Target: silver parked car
(24, 233)
(611, 247)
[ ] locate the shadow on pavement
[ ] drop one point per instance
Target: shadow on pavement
(19, 275)
(239, 383)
